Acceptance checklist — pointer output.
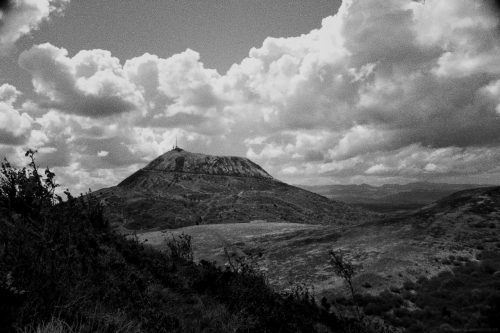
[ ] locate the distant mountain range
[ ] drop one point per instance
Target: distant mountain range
(390, 197)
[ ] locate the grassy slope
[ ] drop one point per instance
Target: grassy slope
(109, 283)
(296, 252)
(448, 235)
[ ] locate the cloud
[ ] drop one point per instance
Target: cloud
(20, 17)
(14, 126)
(6, 6)
(184, 79)
(397, 90)
(381, 77)
(92, 83)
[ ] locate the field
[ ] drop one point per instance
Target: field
(387, 254)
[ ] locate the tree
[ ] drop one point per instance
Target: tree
(346, 270)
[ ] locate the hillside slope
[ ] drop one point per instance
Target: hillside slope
(389, 252)
(469, 218)
(63, 270)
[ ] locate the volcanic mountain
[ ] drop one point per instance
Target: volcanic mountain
(180, 188)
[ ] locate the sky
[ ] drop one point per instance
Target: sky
(316, 92)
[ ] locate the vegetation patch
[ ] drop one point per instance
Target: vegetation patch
(465, 297)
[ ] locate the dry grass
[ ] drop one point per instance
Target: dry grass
(57, 325)
(389, 254)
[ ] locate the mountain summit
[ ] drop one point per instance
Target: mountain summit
(179, 160)
(181, 188)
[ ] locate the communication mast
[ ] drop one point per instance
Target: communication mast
(176, 147)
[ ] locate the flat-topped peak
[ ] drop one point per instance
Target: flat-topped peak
(179, 160)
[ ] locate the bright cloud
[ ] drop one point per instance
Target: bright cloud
(391, 90)
(92, 83)
(23, 16)
(14, 125)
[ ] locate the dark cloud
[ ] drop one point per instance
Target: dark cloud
(314, 156)
(53, 157)
(118, 154)
(90, 106)
(494, 6)
(177, 120)
(6, 6)
(9, 138)
(21, 17)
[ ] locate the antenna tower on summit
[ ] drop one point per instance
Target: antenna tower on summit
(176, 147)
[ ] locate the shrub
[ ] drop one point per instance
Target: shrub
(488, 266)
(180, 247)
(49, 245)
(417, 328)
(372, 309)
(409, 296)
(422, 280)
(409, 285)
(25, 191)
(395, 290)
(446, 262)
(346, 270)
(401, 312)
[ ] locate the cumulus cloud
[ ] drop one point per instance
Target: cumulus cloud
(397, 90)
(92, 83)
(14, 126)
(20, 17)
(380, 77)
